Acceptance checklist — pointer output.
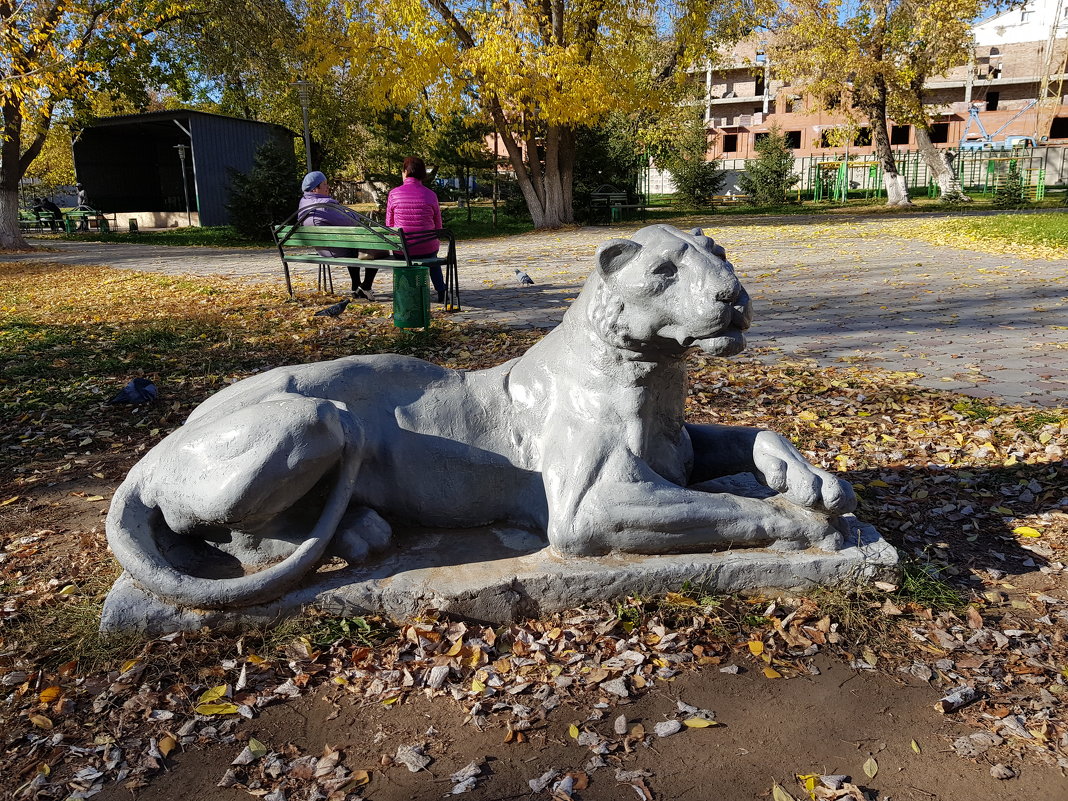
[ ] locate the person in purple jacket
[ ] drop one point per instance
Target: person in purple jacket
(316, 191)
(414, 207)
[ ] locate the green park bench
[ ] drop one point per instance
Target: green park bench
(73, 218)
(613, 203)
(409, 272)
(38, 223)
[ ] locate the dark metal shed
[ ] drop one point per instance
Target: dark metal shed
(132, 163)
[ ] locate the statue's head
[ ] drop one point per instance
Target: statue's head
(668, 291)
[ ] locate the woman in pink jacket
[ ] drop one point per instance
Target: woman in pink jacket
(414, 207)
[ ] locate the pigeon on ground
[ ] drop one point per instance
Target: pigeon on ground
(136, 392)
(335, 310)
(524, 278)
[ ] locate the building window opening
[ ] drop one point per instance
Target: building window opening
(793, 139)
(759, 85)
(730, 143)
(1059, 128)
(760, 57)
(940, 133)
(899, 134)
(863, 138)
(992, 99)
(1026, 14)
(759, 137)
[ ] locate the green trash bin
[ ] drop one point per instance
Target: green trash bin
(69, 225)
(103, 225)
(411, 296)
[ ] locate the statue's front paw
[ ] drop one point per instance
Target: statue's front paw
(785, 470)
(798, 529)
(360, 533)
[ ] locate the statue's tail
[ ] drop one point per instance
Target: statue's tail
(137, 535)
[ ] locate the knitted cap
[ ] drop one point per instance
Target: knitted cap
(312, 180)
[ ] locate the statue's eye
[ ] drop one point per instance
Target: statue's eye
(666, 269)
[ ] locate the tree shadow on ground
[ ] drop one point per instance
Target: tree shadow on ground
(960, 520)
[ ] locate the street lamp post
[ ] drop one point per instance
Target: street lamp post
(185, 183)
(303, 92)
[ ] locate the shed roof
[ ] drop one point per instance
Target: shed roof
(175, 114)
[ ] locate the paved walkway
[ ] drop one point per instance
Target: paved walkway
(834, 290)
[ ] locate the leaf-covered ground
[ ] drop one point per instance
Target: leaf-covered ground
(974, 495)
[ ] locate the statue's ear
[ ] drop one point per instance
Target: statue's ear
(709, 243)
(615, 253)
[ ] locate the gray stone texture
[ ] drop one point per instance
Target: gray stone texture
(501, 574)
(582, 440)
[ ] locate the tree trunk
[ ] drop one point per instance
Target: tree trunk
(948, 183)
(897, 193)
(548, 192)
(10, 236)
(11, 172)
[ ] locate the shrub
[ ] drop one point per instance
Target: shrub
(1010, 192)
(768, 178)
(267, 194)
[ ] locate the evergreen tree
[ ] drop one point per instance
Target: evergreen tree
(267, 194)
(696, 180)
(1010, 193)
(768, 178)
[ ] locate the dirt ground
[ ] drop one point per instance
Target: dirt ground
(769, 731)
(827, 724)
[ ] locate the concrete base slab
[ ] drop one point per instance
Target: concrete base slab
(499, 574)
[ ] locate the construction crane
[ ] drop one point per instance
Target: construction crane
(987, 141)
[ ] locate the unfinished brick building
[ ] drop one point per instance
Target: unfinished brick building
(1019, 57)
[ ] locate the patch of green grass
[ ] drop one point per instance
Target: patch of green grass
(1032, 423)
(222, 236)
(365, 631)
(1050, 230)
(975, 409)
(481, 225)
(924, 585)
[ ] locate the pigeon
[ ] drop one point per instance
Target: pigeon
(136, 392)
(335, 310)
(524, 278)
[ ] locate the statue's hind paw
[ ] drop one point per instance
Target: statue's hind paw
(360, 533)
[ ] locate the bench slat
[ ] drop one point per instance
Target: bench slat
(337, 236)
(347, 261)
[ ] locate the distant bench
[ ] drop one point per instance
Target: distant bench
(38, 222)
(84, 213)
(730, 200)
(363, 234)
(614, 202)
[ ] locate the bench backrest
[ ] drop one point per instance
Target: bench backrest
(608, 197)
(337, 236)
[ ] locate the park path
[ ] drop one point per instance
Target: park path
(839, 291)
